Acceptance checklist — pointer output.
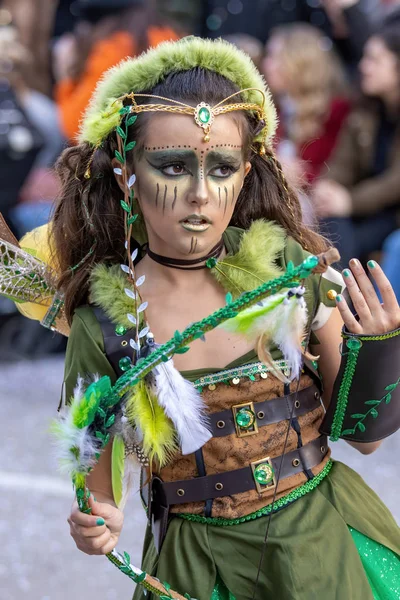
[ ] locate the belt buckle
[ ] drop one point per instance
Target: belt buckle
(245, 419)
(264, 474)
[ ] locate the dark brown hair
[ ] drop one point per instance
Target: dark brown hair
(88, 226)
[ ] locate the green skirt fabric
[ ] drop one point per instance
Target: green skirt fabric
(311, 552)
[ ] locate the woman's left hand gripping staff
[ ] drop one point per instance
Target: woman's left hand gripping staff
(374, 317)
(98, 532)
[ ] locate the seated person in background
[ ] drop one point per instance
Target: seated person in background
(359, 200)
(110, 31)
(308, 83)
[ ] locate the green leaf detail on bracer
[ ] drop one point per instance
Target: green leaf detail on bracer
(373, 412)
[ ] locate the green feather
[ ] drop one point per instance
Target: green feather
(143, 73)
(255, 261)
(84, 411)
(244, 321)
(117, 468)
(107, 290)
(143, 410)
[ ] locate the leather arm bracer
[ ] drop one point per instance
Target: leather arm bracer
(365, 405)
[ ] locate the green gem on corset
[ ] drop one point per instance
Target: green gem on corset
(264, 474)
(125, 363)
(120, 330)
(245, 418)
(354, 344)
(204, 115)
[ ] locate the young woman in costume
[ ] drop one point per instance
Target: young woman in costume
(189, 128)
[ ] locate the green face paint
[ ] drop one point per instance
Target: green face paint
(188, 195)
(187, 189)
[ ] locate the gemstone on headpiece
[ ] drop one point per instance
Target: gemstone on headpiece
(203, 115)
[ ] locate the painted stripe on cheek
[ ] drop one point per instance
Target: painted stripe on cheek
(164, 199)
(226, 199)
(174, 200)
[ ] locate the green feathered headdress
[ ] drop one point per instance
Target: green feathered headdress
(152, 67)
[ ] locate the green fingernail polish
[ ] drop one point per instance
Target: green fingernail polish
(371, 264)
(100, 521)
(338, 298)
(346, 273)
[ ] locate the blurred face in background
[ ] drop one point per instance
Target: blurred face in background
(379, 69)
(273, 65)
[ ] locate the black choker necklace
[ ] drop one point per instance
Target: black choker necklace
(187, 265)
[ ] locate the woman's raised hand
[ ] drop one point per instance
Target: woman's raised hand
(98, 532)
(374, 318)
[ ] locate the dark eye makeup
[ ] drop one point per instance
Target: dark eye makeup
(177, 169)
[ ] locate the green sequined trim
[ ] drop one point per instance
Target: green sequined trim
(248, 371)
(374, 338)
(343, 395)
(302, 490)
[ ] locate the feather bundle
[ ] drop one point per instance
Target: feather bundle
(144, 412)
(255, 260)
(184, 405)
(76, 444)
(279, 320)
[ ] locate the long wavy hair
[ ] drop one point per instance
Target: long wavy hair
(313, 75)
(88, 224)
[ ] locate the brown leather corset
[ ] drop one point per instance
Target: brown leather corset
(234, 448)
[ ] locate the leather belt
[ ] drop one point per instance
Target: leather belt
(269, 411)
(229, 483)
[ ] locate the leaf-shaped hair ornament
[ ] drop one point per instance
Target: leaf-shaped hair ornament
(124, 147)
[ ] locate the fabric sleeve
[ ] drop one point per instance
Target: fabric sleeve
(333, 280)
(319, 304)
(85, 355)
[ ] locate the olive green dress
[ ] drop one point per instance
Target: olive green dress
(336, 542)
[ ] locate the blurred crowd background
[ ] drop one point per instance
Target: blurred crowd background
(333, 67)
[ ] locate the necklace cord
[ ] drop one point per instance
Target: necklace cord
(176, 263)
(314, 311)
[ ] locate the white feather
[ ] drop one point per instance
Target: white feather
(288, 324)
(184, 405)
(130, 472)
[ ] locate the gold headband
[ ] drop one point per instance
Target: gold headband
(203, 113)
